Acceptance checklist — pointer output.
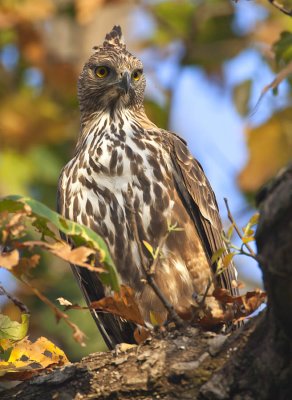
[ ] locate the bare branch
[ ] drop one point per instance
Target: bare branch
(281, 7)
(78, 335)
(283, 74)
(22, 307)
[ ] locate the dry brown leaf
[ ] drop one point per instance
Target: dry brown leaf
(122, 304)
(64, 302)
(252, 300)
(78, 255)
(141, 334)
(247, 303)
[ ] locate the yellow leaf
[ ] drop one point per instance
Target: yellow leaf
(149, 247)
(227, 259)
(248, 231)
(230, 231)
(9, 260)
(270, 149)
(156, 318)
(247, 239)
(28, 358)
(254, 219)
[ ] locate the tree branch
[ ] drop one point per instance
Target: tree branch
(231, 219)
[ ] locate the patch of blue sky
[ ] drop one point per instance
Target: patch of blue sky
(9, 56)
(33, 77)
(247, 15)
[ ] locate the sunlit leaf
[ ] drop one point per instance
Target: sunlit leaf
(248, 239)
(29, 358)
(269, 149)
(227, 259)
(230, 231)
(13, 330)
(254, 219)
(149, 248)
(9, 259)
(217, 255)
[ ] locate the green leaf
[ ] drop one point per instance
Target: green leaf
(283, 48)
(13, 330)
(79, 234)
(241, 96)
(217, 255)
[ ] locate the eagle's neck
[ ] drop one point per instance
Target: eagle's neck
(108, 117)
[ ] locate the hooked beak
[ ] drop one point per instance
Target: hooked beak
(125, 82)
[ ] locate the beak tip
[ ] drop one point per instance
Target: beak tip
(125, 82)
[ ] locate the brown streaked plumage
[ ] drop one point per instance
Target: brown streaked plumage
(122, 157)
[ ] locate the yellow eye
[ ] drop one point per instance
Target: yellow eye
(102, 71)
(136, 75)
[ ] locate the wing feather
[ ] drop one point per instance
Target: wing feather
(200, 201)
(113, 329)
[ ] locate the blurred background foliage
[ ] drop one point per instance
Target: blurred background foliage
(43, 45)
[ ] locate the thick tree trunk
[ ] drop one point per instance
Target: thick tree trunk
(253, 363)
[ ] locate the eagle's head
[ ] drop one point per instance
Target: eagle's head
(112, 78)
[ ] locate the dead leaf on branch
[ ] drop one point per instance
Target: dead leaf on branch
(30, 358)
(247, 303)
(64, 302)
(122, 304)
(141, 334)
(78, 255)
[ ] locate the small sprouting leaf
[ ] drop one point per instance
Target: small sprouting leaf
(254, 219)
(248, 231)
(248, 239)
(149, 248)
(217, 255)
(174, 228)
(230, 231)
(227, 259)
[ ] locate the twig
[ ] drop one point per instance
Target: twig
(149, 275)
(23, 308)
(283, 74)
(159, 248)
(231, 219)
(281, 8)
(78, 335)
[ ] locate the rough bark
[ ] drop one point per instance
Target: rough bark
(253, 363)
